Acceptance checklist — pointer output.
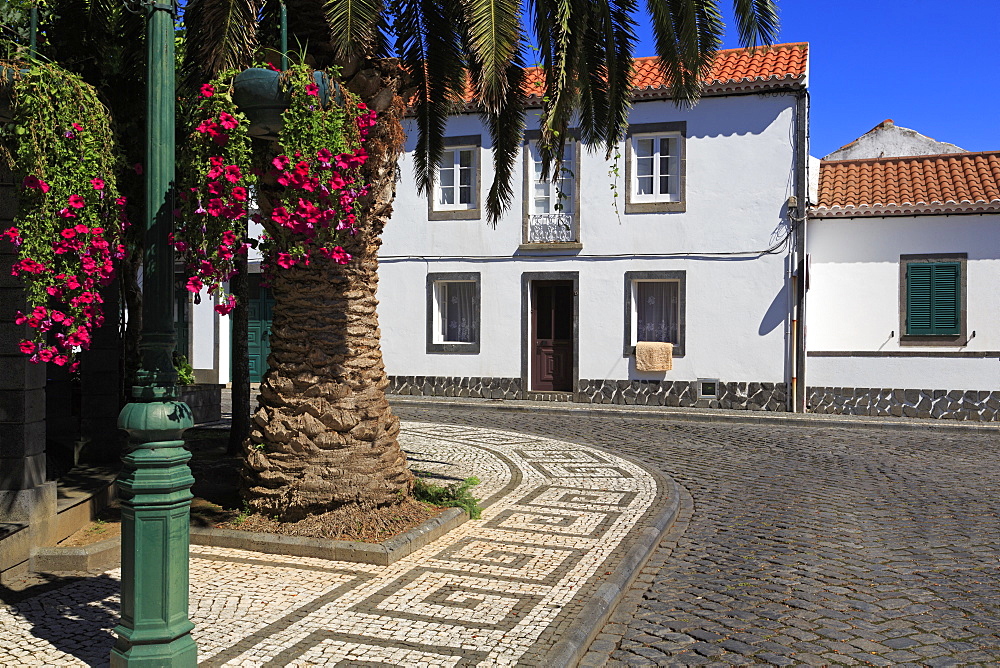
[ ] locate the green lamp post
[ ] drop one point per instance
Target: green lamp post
(155, 483)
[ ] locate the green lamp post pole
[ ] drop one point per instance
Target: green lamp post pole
(155, 483)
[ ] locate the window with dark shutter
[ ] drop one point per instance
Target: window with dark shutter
(933, 298)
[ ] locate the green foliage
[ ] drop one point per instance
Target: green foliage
(308, 125)
(455, 495)
(69, 220)
(185, 372)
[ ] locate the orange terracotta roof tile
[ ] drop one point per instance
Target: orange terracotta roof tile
(733, 69)
(948, 183)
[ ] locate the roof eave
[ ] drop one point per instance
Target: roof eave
(909, 209)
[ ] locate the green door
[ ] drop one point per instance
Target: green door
(261, 307)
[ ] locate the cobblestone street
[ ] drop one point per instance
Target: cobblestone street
(811, 545)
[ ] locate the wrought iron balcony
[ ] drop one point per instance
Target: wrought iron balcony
(545, 228)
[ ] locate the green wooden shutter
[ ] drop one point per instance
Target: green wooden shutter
(933, 298)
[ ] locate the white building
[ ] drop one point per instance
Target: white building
(904, 263)
(686, 238)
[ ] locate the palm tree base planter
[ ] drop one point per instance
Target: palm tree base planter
(259, 94)
(106, 554)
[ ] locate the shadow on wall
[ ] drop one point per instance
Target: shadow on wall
(775, 314)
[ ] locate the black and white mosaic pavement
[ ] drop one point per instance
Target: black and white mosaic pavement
(493, 592)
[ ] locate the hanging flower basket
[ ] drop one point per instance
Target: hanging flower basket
(261, 96)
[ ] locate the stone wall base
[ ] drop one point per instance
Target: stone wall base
(442, 386)
(974, 405)
(735, 395)
(684, 393)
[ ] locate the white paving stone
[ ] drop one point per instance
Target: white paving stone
(481, 595)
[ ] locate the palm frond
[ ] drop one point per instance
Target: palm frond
(357, 27)
(687, 36)
(429, 44)
(756, 21)
(221, 35)
(506, 127)
(494, 38)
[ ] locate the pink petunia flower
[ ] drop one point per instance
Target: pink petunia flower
(77, 202)
(207, 90)
(97, 183)
(228, 121)
(32, 181)
(312, 89)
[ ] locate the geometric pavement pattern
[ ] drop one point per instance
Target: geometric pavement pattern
(801, 545)
(492, 592)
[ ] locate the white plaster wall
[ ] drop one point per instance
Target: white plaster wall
(853, 300)
(739, 175)
(204, 340)
(890, 141)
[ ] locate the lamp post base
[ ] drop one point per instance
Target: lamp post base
(179, 652)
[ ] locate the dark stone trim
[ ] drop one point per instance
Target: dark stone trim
(678, 275)
(462, 214)
(439, 386)
(453, 347)
(656, 207)
(569, 248)
(732, 395)
(962, 338)
(526, 280)
(973, 405)
(684, 393)
(977, 354)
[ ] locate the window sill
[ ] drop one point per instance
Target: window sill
(453, 348)
(655, 207)
(454, 214)
(569, 246)
(949, 340)
(630, 351)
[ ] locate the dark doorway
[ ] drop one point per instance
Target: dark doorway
(551, 336)
(261, 306)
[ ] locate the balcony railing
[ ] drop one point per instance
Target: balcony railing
(547, 228)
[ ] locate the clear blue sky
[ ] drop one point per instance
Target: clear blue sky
(930, 66)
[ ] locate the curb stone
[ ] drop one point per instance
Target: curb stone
(107, 553)
(669, 413)
(577, 638)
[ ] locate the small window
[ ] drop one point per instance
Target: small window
(933, 298)
(708, 388)
(456, 187)
(655, 168)
(456, 180)
(453, 313)
(655, 309)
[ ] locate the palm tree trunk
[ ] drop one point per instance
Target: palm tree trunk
(323, 435)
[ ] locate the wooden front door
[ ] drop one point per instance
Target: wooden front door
(261, 306)
(552, 336)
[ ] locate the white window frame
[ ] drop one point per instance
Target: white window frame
(436, 312)
(673, 160)
(456, 168)
(635, 302)
(555, 192)
(632, 280)
(657, 202)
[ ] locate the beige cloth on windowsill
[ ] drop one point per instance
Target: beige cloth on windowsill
(654, 356)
